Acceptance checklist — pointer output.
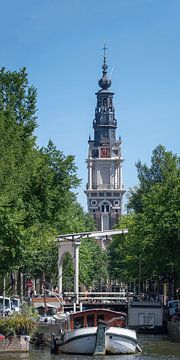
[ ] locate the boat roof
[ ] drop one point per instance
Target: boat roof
(42, 305)
(98, 311)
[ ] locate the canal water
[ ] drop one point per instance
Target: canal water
(155, 347)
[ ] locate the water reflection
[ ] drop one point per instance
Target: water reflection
(157, 345)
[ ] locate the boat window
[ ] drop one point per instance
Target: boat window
(173, 304)
(51, 311)
(40, 310)
(100, 317)
(79, 322)
(90, 320)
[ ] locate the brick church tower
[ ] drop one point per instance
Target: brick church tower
(104, 189)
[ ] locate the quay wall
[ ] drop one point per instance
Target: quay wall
(174, 330)
(17, 343)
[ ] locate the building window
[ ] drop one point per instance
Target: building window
(105, 208)
(108, 194)
(116, 194)
(101, 194)
(93, 194)
(104, 102)
(95, 153)
(110, 104)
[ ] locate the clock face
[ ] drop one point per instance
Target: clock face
(116, 203)
(105, 152)
(93, 202)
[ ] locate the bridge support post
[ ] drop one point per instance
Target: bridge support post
(59, 270)
(76, 263)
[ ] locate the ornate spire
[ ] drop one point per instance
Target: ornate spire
(104, 82)
(104, 66)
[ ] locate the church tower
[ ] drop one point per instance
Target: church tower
(104, 189)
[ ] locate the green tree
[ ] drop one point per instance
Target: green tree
(18, 99)
(93, 263)
(125, 252)
(36, 186)
(51, 185)
(151, 250)
(17, 143)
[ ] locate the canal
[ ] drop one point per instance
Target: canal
(155, 347)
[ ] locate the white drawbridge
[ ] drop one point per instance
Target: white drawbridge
(70, 243)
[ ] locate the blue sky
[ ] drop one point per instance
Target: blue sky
(60, 43)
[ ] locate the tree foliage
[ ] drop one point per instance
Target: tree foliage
(152, 244)
(37, 186)
(17, 145)
(93, 263)
(18, 99)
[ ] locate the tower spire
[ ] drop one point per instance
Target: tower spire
(104, 82)
(104, 189)
(104, 66)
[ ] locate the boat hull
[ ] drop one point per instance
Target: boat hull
(79, 341)
(120, 341)
(83, 341)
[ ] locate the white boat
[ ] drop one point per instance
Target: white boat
(120, 341)
(95, 331)
(79, 341)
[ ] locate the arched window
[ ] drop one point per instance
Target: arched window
(105, 208)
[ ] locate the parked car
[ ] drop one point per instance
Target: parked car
(173, 307)
(16, 304)
(8, 305)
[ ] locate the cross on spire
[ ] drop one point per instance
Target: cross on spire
(104, 48)
(104, 67)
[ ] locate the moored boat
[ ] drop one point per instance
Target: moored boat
(120, 341)
(79, 341)
(95, 331)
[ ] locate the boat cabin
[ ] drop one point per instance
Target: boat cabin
(91, 318)
(145, 315)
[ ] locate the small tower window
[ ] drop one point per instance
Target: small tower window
(105, 102)
(104, 105)
(110, 104)
(105, 208)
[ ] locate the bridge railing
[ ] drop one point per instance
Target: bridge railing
(100, 296)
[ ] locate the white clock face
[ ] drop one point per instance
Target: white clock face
(116, 202)
(93, 202)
